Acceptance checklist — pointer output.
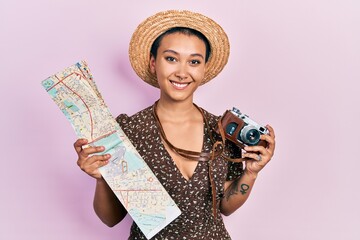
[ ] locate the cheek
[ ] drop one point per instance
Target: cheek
(198, 73)
(163, 69)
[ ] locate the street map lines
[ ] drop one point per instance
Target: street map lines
(74, 91)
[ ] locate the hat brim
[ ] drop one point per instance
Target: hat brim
(152, 27)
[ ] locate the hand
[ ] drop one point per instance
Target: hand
(258, 156)
(90, 165)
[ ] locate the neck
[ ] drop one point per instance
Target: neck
(176, 110)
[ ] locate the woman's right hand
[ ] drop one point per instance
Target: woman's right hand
(90, 164)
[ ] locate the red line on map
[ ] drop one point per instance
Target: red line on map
(62, 81)
(82, 72)
(127, 199)
(103, 136)
(90, 115)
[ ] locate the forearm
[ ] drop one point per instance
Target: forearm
(237, 193)
(107, 207)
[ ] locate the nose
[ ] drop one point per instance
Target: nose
(181, 72)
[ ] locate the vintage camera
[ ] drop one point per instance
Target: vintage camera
(242, 130)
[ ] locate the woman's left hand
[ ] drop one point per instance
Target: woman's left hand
(258, 156)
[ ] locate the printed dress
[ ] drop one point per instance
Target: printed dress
(192, 196)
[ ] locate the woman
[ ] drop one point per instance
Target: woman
(177, 51)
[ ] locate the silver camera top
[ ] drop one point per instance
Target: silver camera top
(248, 121)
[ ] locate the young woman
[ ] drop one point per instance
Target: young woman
(177, 51)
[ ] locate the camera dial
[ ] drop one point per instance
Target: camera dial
(235, 110)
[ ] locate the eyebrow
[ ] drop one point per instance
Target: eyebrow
(176, 53)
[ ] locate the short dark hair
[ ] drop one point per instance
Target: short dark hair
(182, 30)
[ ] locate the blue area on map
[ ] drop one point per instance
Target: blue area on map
(53, 92)
(114, 145)
(109, 142)
(71, 105)
(67, 115)
(148, 222)
(48, 83)
(134, 162)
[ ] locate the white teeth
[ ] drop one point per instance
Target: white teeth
(179, 85)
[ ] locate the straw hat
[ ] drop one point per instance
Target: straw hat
(146, 33)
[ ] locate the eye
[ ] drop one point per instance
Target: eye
(194, 62)
(170, 59)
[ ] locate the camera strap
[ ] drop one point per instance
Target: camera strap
(192, 155)
(217, 150)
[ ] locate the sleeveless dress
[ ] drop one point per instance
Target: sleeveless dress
(192, 196)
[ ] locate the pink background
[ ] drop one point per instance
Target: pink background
(293, 64)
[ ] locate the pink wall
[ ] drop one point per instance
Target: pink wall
(293, 64)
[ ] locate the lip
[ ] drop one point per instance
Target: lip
(179, 85)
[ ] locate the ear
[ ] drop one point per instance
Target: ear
(152, 65)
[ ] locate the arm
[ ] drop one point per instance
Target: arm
(236, 193)
(238, 190)
(106, 205)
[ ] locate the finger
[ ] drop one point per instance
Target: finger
(98, 158)
(267, 138)
(270, 139)
(271, 130)
(92, 163)
(270, 146)
(253, 156)
(93, 170)
(271, 143)
(79, 144)
(91, 150)
(255, 149)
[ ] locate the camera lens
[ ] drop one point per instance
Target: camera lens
(249, 135)
(230, 128)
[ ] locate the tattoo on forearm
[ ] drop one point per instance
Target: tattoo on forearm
(235, 188)
(244, 188)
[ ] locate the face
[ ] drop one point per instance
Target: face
(179, 66)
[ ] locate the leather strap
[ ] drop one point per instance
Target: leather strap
(217, 150)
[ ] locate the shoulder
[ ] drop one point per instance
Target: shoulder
(211, 118)
(139, 120)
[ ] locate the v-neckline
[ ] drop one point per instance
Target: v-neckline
(173, 163)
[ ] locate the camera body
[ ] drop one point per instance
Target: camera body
(242, 130)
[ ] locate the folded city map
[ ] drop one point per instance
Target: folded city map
(135, 185)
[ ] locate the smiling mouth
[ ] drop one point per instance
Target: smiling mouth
(179, 85)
